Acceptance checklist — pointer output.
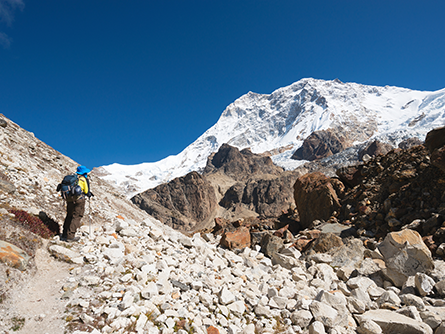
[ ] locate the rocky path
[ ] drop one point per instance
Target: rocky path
(37, 298)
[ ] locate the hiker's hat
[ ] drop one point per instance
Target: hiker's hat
(82, 170)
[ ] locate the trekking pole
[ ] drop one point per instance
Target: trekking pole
(89, 214)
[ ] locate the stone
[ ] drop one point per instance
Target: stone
(440, 288)
(317, 327)
(324, 313)
(369, 327)
(63, 253)
(237, 308)
(391, 322)
(327, 242)
(301, 318)
(405, 255)
(410, 311)
(431, 319)
(7, 186)
(435, 139)
(226, 296)
(238, 239)
(413, 300)
(424, 284)
(13, 256)
(315, 198)
(271, 244)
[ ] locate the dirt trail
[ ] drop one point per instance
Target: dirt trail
(37, 298)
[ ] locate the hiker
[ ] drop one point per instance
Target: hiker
(75, 206)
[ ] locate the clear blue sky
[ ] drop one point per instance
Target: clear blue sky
(135, 81)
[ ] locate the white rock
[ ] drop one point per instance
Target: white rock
(301, 318)
(369, 327)
(317, 327)
(237, 308)
(424, 284)
(389, 297)
(324, 313)
(226, 296)
(150, 290)
(392, 322)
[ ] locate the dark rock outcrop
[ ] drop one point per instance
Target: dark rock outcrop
(184, 203)
(320, 144)
(267, 197)
(240, 165)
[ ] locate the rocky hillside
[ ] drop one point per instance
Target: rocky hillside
(30, 171)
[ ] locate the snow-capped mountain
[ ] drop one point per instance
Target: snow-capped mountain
(278, 123)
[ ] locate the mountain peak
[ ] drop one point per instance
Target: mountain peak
(287, 116)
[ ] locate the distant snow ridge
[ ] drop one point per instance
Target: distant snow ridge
(279, 122)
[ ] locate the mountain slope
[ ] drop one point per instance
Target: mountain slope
(278, 123)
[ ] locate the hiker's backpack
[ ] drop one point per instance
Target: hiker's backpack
(70, 186)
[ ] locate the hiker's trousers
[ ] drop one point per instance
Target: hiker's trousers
(75, 209)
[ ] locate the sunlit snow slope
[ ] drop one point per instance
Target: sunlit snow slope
(279, 122)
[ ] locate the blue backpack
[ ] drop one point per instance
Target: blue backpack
(70, 186)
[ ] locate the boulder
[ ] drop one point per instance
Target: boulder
(326, 242)
(13, 256)
(65, 254)
(315, 198)
(238, 239)
(392, 322)
(435, 139)
(405, 254)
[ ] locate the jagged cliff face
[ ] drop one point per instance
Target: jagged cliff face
(30, 171)
(279, 122)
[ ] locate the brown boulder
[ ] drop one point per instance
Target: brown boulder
(13, 256)
(320, 144)
(405, 254)
(315, 198)
(238, 239)
(326, 242)
(435, 139)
